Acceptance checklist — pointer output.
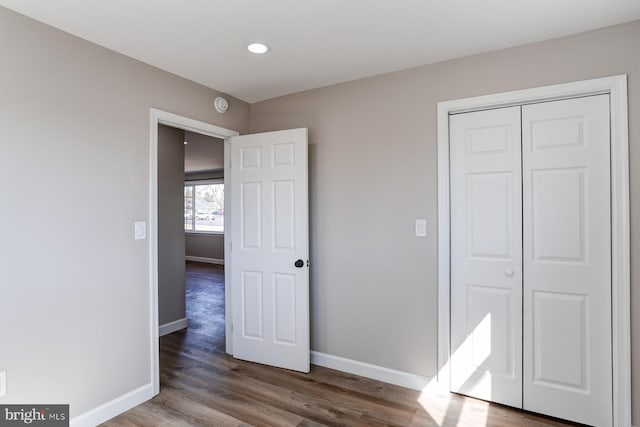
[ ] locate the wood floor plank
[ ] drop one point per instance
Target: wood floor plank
(181, 404)
(295, 392)
(200, 385)
(261, 392)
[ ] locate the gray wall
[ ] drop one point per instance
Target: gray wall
(205, 245)
(373, 170)
(171, 242)
(74, 284)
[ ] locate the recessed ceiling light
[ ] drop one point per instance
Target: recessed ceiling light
(185, 143)
(257, 48)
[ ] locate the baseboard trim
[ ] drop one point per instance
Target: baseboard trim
(113, 408)
(205, 260)
(404, 379)
(171, 327)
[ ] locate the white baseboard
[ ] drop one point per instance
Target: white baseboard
(404, 379)
(113, 408)
(205, 260)
(171, 327)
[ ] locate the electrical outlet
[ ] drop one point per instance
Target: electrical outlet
(3, 383)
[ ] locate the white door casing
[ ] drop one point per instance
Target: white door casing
(158, 117)
(270, 295)
(567, 259)
(486, 255)
(616, 87)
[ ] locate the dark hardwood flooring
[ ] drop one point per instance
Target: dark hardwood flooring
(203, 386)
(205, 300)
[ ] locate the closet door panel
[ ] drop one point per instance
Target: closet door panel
(567, 259)
(486, 255)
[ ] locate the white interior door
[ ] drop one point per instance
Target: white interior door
(486, 255)
(270, 248)
(567, 259)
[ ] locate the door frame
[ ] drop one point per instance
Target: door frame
(159, 117)
(616, 87)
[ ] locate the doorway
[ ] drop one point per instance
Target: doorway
(615, 87)
(268, 191)
(158, 117)
(190, 232)
(203, 201)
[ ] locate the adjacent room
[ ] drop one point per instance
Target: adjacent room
(191, 230)
(415, 213)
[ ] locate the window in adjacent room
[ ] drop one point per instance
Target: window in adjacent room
(204, 207)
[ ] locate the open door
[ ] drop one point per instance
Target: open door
(270, 247)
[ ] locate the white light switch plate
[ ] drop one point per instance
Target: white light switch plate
(140, 230)
(421, 227)
(3, 383)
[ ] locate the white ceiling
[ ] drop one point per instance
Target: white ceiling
(314, 43)
(203, 153)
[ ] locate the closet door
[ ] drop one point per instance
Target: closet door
(567, 259)
(486, 255)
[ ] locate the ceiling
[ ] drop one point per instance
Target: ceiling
(203, 153)
(314, 43)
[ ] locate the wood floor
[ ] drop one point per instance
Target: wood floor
(202, 386)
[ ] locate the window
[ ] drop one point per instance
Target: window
(204, 207)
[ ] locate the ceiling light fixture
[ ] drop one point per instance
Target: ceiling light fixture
(258, 48)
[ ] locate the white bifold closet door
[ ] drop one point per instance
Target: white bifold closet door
(531, 257)
(486, 255)
(567, 259)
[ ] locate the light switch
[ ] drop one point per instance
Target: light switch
(421, 227)
(140, 230)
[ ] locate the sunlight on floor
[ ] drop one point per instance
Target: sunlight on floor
(473, 353)
(434, 405)
(454, 410)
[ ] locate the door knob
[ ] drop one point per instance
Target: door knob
(508, 272)
(299, 263)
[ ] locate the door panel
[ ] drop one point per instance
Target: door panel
(560, 329)
(567, 259)
(558, 215)
(251, 215)
(283, 216)
(486, 259)
(489, 215)
(252, 305)
(269, 197)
